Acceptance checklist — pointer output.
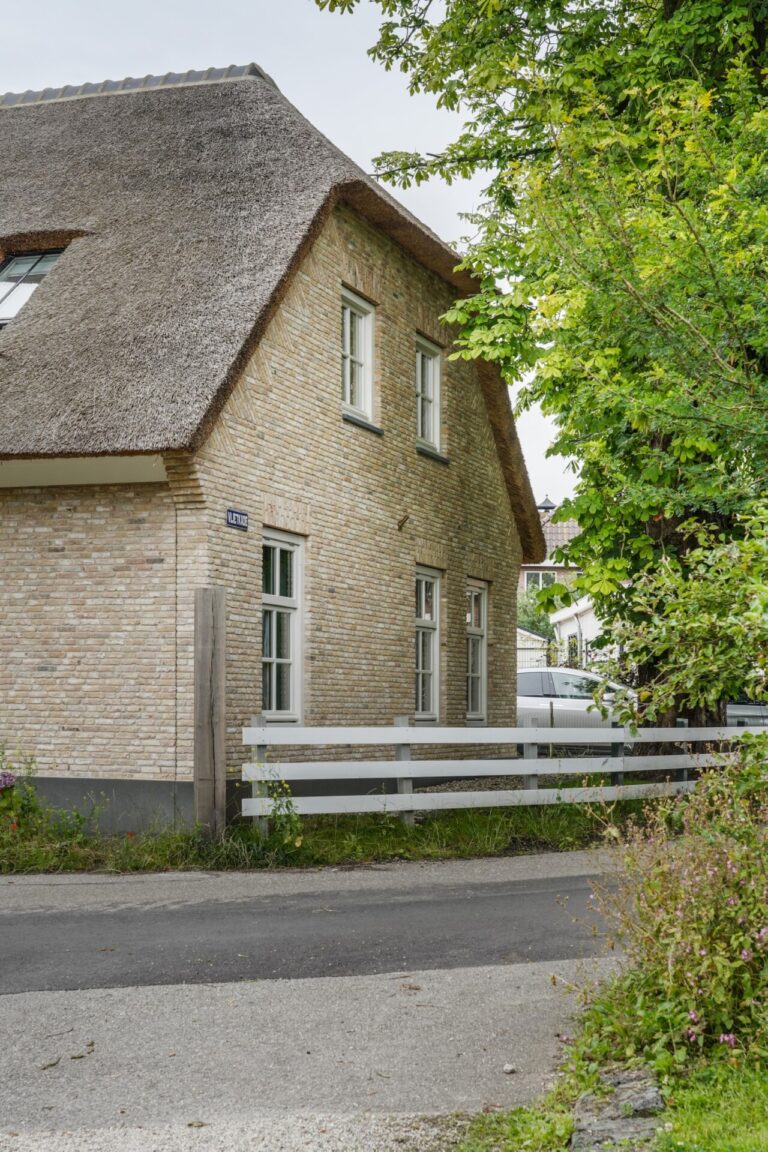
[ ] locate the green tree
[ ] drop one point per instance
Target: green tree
(627, 217)
(532, 617)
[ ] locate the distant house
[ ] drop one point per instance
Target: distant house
(549, 570)
(222, 366)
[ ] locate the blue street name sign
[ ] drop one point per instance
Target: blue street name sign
(237, 519)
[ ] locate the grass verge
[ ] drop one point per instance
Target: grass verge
(56, 841)
(715, 1107)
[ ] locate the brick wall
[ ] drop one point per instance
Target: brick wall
(87, 638)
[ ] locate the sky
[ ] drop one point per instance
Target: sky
(319, 61)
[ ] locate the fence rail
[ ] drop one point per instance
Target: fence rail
(527, 768)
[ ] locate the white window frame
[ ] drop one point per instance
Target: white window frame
(425, 348)
(353, 305)
(431, 628)
(535, 579)
(294, 605)
(475, 633)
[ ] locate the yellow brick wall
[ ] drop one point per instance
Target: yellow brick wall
(87, 637)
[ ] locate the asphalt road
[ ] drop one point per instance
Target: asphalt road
(330, 1011)
(248, 932)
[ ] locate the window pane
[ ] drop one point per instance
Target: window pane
(283, 688)
(419, 599)
(473, 694)
(355, 377)
(268, 570)
(477, 612)
(426, 419)
(429, 600)
(267, 634)
(426, 692)
(12, 303)
(530, 684)
(283, 635)
(417, 700)
(469, 608)
(17, 267)
(547, 578)
(573, 687)
(266, 687)
(426, 651)
(286, 573)
(354, 335)
(532, 580)
(426, 376)
(473, 655)
(345, 328)
(45, 263)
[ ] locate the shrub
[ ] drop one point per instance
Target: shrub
(691, 908)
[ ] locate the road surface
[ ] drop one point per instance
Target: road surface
(333, 1009)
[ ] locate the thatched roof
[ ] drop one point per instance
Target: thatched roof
(186, 202)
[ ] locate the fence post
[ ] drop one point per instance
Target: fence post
(404, 784)
(682, 773)
(617, 750)
(210, 720)
(531, 752)
(260, 788)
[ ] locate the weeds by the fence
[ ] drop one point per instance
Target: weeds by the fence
(52, 841)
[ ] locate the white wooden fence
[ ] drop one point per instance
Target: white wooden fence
(529, 768)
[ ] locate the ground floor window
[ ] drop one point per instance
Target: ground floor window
(281, 625)
(427, 644)
(477, 649)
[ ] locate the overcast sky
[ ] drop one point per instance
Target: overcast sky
(319, 61)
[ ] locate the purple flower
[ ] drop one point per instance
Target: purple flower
(7, 780)
(746, 953)
(691, 1035)
(693, 1016)
(728, 1038)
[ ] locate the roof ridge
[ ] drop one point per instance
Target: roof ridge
(136, 84)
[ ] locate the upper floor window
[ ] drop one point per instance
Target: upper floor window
(357, 354)
(19, 276)
(427, 393)
(427, 644)
(536, 580)
(281, 626)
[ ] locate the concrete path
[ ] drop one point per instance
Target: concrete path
(371, 1061)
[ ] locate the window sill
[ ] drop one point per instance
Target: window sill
(361, 422)
(476, 722)
(431, 453)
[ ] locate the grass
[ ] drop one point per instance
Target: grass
(719, 1109)
(48, 840)
(715, 1108)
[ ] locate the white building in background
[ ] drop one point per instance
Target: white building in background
(576, 629)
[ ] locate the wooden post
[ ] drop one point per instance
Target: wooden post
(210, 744)
(260, 788)
(404, 785)
(617, 750)
(531, 752)
(681, 773)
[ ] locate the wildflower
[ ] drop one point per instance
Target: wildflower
(746, 953)
(693, 1016)
(728, 1038)
(691, 1035)
(130, 835)
(702, 951)
(7, 780)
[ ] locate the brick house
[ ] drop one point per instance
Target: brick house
(211, 318)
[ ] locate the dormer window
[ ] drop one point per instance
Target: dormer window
(19, 276)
